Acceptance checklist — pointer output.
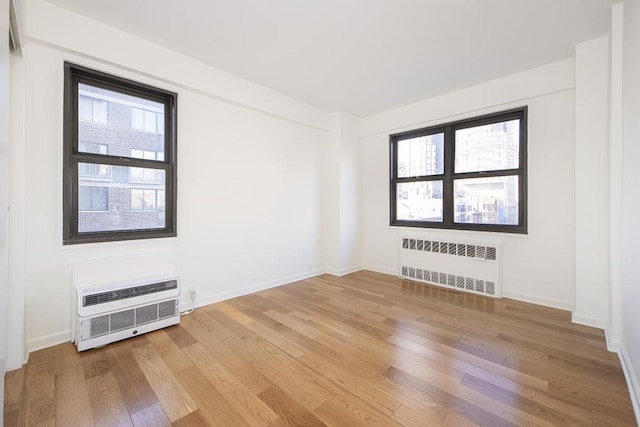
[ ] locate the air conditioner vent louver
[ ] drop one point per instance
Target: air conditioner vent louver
(463, 266)
(134, 291)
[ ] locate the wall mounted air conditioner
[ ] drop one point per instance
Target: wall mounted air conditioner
(115, 311)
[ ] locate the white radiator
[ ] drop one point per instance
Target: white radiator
(466, 266)
(115, 311)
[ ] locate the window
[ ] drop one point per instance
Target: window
(467, 175)
(119, 183)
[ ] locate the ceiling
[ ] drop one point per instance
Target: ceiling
(361, 56)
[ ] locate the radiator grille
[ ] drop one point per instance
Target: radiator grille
(451, 248)
(464, 266)
(134, 291)
(450, 280)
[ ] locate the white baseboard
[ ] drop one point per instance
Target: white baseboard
(46, 341)
(383, 270)
(632, 379)
(534, 299)
(344, 271)
(588, 321)
(222, 296)
(612, 344)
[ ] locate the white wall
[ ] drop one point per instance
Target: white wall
(249, 174)
(17, 152)
(538, 267)
(630, 292)
(616, 160)
(342, 196)
(592, 183)
(4, 187)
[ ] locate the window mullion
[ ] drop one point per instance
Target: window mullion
(448, 196)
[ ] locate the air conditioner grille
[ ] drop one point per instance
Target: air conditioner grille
(167, 309)
(99, 326)
(122, 320)
(127, 319)
(146, 314)
(134, 291)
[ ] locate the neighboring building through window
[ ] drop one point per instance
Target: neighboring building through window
(120, 183)
(468, 175)
(146, 120)
(95, 110)
(145, 199)
(93, 198)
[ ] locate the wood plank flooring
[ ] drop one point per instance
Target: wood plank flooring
(366, 349)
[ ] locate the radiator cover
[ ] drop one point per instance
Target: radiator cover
(467, 266)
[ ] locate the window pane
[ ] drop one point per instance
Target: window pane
(419, 201)
(119, 133)
(486, 200)
(421, 156)
(121, 203)
(489, 147)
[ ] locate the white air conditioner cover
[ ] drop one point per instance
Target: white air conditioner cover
(115, 311)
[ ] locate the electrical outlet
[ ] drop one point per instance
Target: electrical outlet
(192, 294)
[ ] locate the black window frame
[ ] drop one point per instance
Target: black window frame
(73, 76)
(449, 174)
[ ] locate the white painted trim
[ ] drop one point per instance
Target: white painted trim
(612, 345)
(46, 341)
(534, 299)
(632, 379)
(382, 270)
(588, 321)
(344, 271)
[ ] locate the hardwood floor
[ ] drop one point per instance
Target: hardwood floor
(364, 349)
